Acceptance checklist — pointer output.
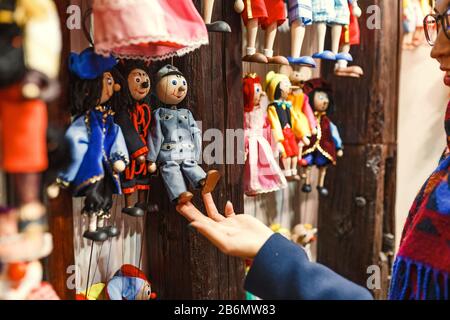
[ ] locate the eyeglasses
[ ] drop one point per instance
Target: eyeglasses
(432, 24)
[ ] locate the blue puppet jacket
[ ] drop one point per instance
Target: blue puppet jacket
(96, 143)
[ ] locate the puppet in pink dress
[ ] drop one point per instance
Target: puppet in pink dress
(262, 173)
(151, 30)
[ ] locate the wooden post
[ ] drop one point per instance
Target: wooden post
(182, 264)
(360, 208)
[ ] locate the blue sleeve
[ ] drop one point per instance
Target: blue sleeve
(78, 138)
(119, 149)
(155, 138)
(196, 136)
(282, 271)
(336, 136)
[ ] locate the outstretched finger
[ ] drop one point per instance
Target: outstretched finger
(211, 208)
(229, 210)
(191, 213)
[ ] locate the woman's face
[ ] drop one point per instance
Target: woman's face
(441, 49)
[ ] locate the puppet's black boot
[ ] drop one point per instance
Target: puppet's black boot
(134, 212)
(148, 207)
(111, 231)
(97, 236)
(323, 191)
(218, 26)
(306, 188)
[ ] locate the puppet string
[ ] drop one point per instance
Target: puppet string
(89, 270)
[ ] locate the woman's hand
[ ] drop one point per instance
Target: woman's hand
(235, 235)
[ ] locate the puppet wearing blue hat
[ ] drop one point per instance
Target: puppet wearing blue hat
(98, 148)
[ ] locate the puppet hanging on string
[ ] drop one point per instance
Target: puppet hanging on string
(134, 118)
(326, 146)
(175, 142)
(269, 14)
(98, 146)
(284, 122)
(30, 45)
(262, 172)
(151, 30)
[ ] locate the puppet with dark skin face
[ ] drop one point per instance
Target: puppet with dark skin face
(134, 118)
(98, 147)
(175, 140)
(326, 146)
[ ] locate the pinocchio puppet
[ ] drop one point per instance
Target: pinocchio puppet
(98, 146)
(175, 141)
(284, 122)
(134, 118)
(326, 146)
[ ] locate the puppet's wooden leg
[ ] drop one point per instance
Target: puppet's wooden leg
(93, 233)
(307, 186)
(287, 166)
(322, 175)
(294, 164)
(271, 34)
(131, 207)
(252, 33)
(217, 26)
(336, 32)
(321, 35)
(145, 203)
(297, 37)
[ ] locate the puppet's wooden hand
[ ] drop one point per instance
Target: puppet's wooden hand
(357, 12)
(239, 6)
(236, 235)
(141, 160)
(119, 166)
(340, 153)
(152, 168)
(306, 141)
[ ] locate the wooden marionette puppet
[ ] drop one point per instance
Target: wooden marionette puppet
(269, 14)
(98, 146)
(326, 146)
(134, 118)
(284, 123)
(262, 172)
(175, 141)
(30, 46)
(217, 26)
(306, 120)
(336, 14)
(351, 36)
(300, 16)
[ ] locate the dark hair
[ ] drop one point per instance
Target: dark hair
(331, 105)
(277, 94)
(84, 94)
(124, 68)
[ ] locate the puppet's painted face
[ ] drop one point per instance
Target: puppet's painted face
(172, 90)
(321, 101)
(109, 87)
(139, 84)
(258, 94)
(298, 78)
(285, 87)
(145, 293)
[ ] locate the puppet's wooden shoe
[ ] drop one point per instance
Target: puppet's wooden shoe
(111, 231)
(185, 197)
(96, 236)
(323, 191)
(350, 72)
(306, 188)
(218, 26)
(150, 207)
(256, 58)
(135, 211)
(278, 60)
(210, 183)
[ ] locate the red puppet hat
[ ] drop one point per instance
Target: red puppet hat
(249, 90)
(316, 84)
